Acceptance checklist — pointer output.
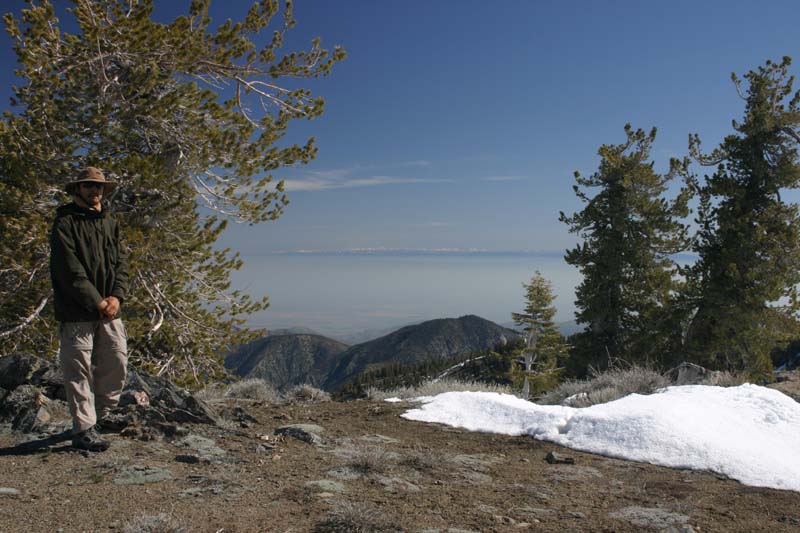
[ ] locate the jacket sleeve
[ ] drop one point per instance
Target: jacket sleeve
(121, 275)
(68, 271)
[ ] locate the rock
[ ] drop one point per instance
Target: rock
(396, 485)
(134, 397)
(689, 374)
(650, 517)
(161, 392)
(238, 414)
(576, 514)
(345, 473)
(477, 478)
(557, 458)
(25, 369)
(141, 475)
(476, 462)
(177, 404)
(310, 433)
(535, 511)
(26, 408)
(193, 491)
(204, 448)
(188, 459)
(8, 491)
(195, 410)
(326, 485)
(572, 473)
(379, 439)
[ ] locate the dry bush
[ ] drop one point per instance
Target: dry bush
(368, 459)
(212, 393)
(307, 393)
(420, 459)
(611, 385)
(252, 389)
(432, 388)
(349, 517)
(725, 379)
(160, 523)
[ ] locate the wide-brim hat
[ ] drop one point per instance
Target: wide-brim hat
(90, 174)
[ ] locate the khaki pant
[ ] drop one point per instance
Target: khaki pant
(93, 359)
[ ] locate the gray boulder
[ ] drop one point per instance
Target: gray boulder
(25, 408)
(26, 369)
(690, 374)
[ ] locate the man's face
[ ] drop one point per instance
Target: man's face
(91, 193)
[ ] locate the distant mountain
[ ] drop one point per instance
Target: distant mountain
(434, 340)
(570, 327)
(371, 334)
(297, 330)
(287, 360)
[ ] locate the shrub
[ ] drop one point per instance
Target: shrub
(611, 385)
(420, 459)
(160, 523)
(370, 459)
(347, 517)
(213, 392)
(307, 393)
(252, 389)
(725, 379)
(432, 388)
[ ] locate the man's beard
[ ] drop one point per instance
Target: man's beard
(88, 200)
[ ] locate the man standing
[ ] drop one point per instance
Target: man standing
(89, 271)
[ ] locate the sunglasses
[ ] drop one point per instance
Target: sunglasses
(91, 185)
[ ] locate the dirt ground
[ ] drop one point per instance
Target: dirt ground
(374, 471)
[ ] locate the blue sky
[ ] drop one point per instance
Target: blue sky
(459, 124)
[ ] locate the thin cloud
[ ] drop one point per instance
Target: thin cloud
(321, 184)
(333, 173)
(503, 178)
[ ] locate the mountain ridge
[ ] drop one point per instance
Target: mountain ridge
(437, 339)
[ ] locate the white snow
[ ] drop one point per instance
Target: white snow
(748, 433)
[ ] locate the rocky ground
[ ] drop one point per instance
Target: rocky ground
(354, 466)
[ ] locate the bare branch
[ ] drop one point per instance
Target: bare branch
(22, 325)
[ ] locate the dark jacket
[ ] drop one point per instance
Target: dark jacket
(87, 262)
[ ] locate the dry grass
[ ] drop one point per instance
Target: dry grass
(368, 458)
(160, 523)
(212, 393)
(611, 385)
(725, 379)
(420, 459)
(432, 388)
(255, 389)
(349, 517)
(252, 389)
(307, 393)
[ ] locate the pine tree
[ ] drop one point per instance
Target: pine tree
(629, 233)
(544, 346)
(187, 119)
(743, 287)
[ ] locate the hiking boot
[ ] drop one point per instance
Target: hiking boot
(89, 440)
(112, 422)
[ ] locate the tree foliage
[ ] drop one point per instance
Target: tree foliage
(544, 347)
(629, 233)
(743, 288)
(188, 118)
